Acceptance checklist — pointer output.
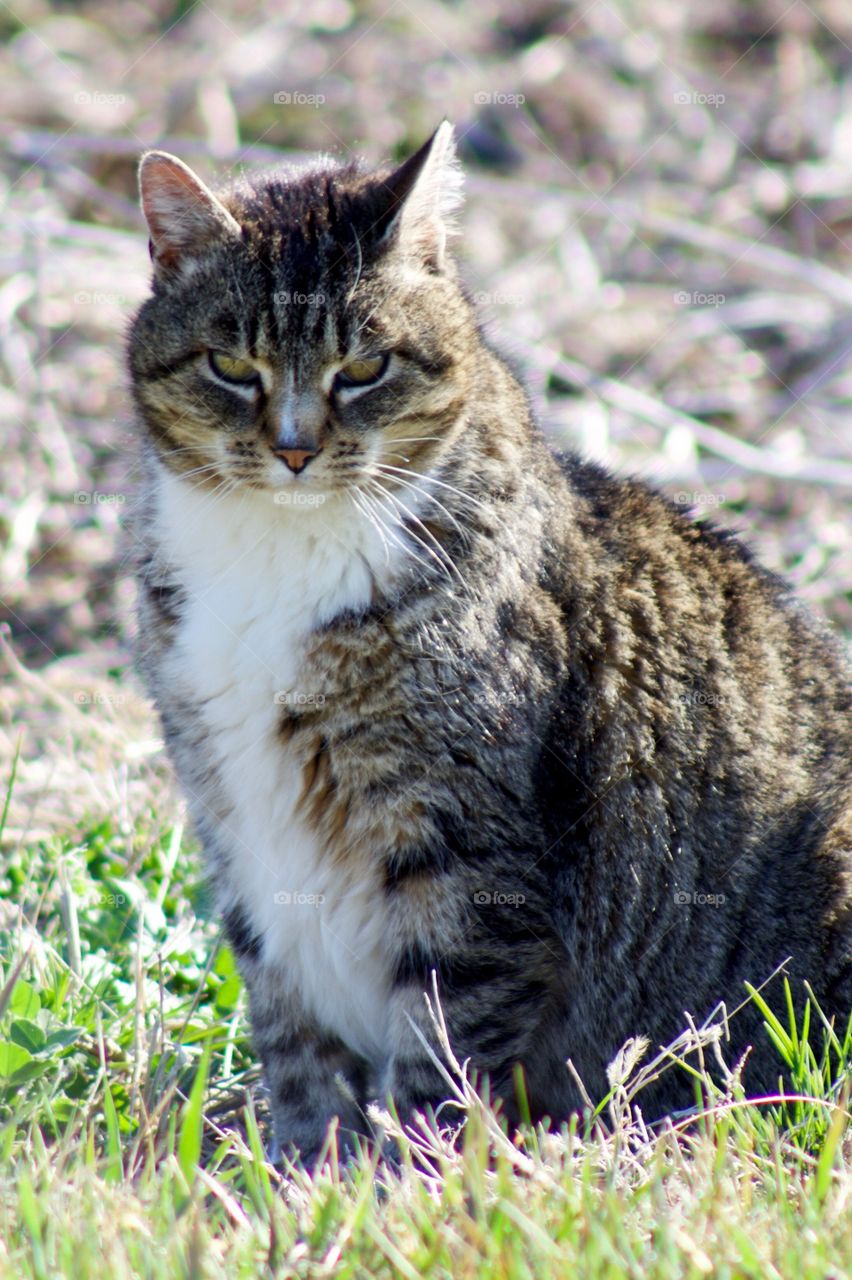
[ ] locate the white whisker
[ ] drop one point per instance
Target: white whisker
(418, 475)
(389, 524)
(351, 292)
(409, 439)
(375, 500)
(439, 554)
(197, 471)
(364, 510)
(416, 488)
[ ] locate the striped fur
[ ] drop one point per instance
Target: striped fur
(443, 701)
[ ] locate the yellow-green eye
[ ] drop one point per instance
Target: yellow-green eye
(233, 368)
(358, 373)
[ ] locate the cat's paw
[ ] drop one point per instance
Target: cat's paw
(312, 1149)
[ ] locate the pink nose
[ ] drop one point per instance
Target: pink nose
(296, 459)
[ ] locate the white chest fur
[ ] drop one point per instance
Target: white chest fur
(259, 578)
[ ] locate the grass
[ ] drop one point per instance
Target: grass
(132, 1143)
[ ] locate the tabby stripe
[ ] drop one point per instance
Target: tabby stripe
(436, 365)
(244, 941)
(414, 964)
(421, 863)
(161, 370)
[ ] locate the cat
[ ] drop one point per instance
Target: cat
(443, 700)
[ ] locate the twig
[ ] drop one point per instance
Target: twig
(753, 254)
(31, 144)
(619, 395)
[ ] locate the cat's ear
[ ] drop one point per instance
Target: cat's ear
(184, 217)
(421, 198)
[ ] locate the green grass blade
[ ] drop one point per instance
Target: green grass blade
(836, 1130)
(192, 1121)
(791, 1017)
(114, 1171)
(13, 773)
(775, 1027)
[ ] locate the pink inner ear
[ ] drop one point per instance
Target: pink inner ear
(178, 209)
(163, 196)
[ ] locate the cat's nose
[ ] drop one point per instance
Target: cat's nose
(296, 459)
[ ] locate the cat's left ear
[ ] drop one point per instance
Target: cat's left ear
(184, 217)
(420, 200)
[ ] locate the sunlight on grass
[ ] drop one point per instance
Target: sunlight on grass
(132, 1145)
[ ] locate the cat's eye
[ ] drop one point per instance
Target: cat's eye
(360, 373)
(233, 368)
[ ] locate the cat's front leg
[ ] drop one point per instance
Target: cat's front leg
(311, 1075)
(499, 973)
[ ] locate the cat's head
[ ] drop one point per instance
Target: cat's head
(305, 329)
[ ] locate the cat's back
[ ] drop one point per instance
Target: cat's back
(707, 574)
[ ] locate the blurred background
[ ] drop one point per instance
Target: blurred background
(658, 230)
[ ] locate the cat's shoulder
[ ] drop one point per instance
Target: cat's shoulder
(635, 504)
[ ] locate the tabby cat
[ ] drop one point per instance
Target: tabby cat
(444, 700)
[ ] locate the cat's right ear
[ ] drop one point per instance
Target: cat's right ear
(184, 217)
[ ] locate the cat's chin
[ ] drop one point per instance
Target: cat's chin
(299, 496)
(276, 481)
